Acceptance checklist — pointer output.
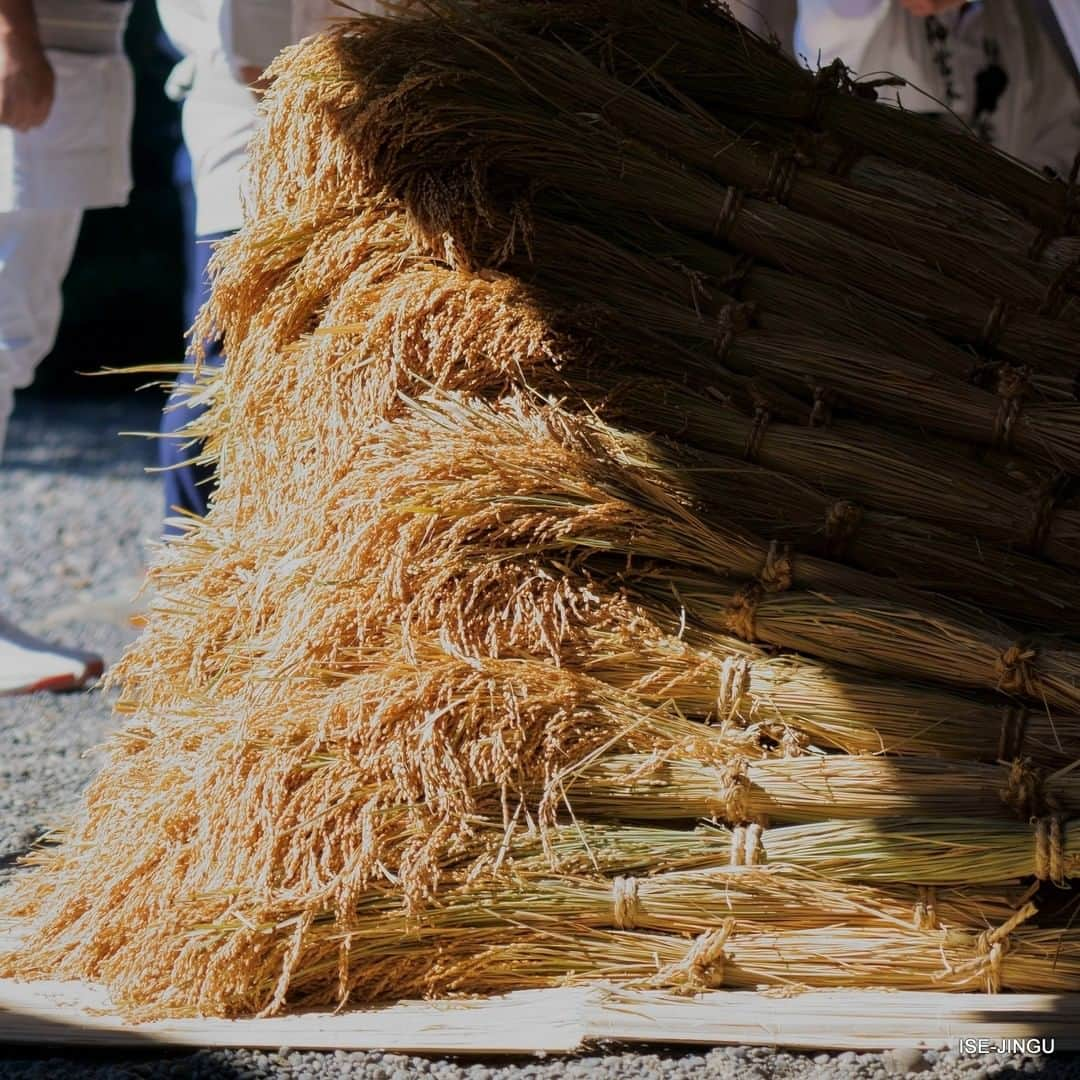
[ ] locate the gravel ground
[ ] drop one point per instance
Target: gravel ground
(76, 512)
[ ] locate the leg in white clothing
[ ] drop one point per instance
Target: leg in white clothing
(35, 251)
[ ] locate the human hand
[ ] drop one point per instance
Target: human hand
(929, 7)
(27, 83)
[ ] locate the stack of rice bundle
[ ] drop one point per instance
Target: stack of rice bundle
(643, 550)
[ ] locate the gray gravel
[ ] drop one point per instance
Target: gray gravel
(76, 510)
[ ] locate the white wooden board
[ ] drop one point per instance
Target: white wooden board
(560, 1021)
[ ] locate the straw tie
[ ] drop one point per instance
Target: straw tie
(729, 211)
(842, 521)
(991, 947)
(624, 903)
(1050, 850)
(821, 411)
(756, 433)
(1023, 790)
(731, 319)
(702, 968)
(1013, 669)
(1049, 496)
(746, 846)
(926, 908)
(733, 793)
(1014, 720)
(775, 576)
(781, 177)
(1012, 387)
(735, 674)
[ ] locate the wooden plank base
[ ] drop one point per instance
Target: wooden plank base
(563, 1020)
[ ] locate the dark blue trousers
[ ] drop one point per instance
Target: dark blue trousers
(187, 485)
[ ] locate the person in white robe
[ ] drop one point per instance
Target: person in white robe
(990, 65)
(66, 105)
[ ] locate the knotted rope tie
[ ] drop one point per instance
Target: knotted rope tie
(781, 177)
(1047, 500)
(735, 282)
(926, 908)
(746, 846)
(821, 411)
(1012, 388)
(729, 211)
(1014, 720)
(732, 802)
(992, 945)
(776, 576)
(731, 319)
(842, 521)
(758, 425)
(734, 683)
(702, 968)
(995, 324)
(624, 903)
(1013, 669)
(1023, 789)
(1050, 850)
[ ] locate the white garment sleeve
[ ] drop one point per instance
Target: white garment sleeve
(1068, 17)
(827, 29)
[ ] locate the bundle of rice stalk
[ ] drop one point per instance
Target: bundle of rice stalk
(682, 903)
(1003, 958)
(999, 227)
(665, 787)
(482, 138)
(869, 321)
(786, 509)
(559, 76)
(965, 852)
(531, 479)
(870, 634)
(881, 470)
(710, 57)
(873, 377)
(457, 485)
(794, 699)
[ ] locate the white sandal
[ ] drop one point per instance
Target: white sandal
(28, 664)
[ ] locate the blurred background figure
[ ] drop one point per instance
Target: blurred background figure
(993, 65)
(66, 104)
(224, 47)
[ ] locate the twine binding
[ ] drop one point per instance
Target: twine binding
(702, 967)
(1014, 720)
(624, 903)
(925, 914)
(746, 846)
(1013, 669)
(1050, 850)
(842, 521)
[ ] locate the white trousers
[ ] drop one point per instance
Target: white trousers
(35, 252)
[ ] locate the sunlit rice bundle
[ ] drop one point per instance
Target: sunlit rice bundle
(796, 699)
(1003, 958)
(806, 788)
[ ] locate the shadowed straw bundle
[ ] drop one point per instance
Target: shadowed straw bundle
(623, 478)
